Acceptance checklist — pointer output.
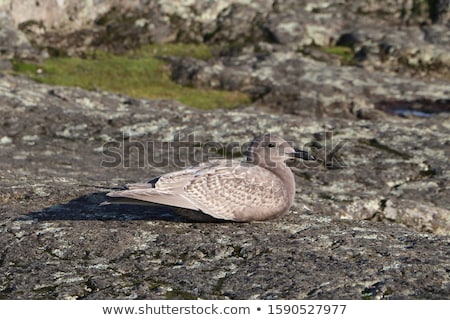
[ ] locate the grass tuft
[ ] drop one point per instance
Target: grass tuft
(345, 53)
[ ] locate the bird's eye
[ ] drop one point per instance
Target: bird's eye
(271, 145)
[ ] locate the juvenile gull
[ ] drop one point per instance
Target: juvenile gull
(260, 188)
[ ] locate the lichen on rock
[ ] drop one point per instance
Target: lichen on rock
(371, 215)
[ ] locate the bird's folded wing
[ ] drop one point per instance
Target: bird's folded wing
(232, 192)
(220, 189)
(167, 189)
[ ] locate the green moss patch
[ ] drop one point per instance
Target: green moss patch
(139, 74)
(345, 53)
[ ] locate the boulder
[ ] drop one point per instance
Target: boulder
(371, 215)
(370, 219)
(292, 83)
(13, 43)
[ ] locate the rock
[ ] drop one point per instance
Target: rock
(373, 208)
(419, 216)
(439, 11)
(61, 157)
(13, 43)
(289, 82)
(5, 64)
(297, 24)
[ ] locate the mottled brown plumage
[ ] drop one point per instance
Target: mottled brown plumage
(261, 188)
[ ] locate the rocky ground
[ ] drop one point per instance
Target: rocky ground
(371, 217)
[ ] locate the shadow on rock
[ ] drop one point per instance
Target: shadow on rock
(88, 207)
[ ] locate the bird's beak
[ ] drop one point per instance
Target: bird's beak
(301, 154)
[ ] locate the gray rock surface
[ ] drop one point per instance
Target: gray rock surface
(13, 43)
(58, 243)
(371, 218)
(292, 83)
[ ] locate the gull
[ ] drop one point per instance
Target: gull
(260, 188)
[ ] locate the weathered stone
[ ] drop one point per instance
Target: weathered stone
(297, 24)
(237, 25)
(371, 215)
(13, 43)
(417, 215)
(59, 243)
(289, 82)
(439, 11)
